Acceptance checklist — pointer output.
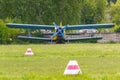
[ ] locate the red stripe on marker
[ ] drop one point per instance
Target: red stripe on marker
(29, 51)
(73, 67)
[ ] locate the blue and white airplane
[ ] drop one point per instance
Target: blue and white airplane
(59, 36)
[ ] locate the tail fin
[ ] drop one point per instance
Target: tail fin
(60, 24)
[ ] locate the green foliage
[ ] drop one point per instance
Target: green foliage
(116, 28)
(92, 13)
(49, 11)
(3, 32)
(7, 35)
(113, 1)
(115, 13)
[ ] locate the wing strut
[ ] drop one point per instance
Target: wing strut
(51, 41)
(29, 34)
(68, 41)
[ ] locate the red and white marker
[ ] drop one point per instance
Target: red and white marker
(72, 68)
(29, 52)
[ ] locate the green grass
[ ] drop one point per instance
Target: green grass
(97, 61)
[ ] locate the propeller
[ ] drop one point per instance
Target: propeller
(61, 31)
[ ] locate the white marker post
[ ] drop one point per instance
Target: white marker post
(29, 52)
(72, 68)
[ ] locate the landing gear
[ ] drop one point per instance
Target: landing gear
(51, 41)
(60, 40)
(68, 41)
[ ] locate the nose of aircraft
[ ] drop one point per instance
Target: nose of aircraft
(59, 31)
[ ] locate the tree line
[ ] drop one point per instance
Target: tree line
(49, 11)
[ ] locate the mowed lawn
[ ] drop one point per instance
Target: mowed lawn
(97, 61)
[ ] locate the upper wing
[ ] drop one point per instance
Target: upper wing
(90, 26)
(30, 26)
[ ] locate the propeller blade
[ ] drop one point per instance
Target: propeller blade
(56, 26)
(63, 35)
(54, 34)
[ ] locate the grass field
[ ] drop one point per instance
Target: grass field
(97, 61)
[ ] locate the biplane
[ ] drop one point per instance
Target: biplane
(59, 35)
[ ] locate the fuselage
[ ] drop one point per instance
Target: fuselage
(59, 37)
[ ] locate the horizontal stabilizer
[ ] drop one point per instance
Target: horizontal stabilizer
(34, 38)
(30, 26)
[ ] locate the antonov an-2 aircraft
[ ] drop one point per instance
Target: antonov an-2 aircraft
(59, 36)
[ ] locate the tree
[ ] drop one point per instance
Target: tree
(49, 11)
(115, 14)
(92, 11)
(41, 11)
(113, 1)
(3, 32)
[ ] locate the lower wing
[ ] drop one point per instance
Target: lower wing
(84, 38)
(34, 38)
